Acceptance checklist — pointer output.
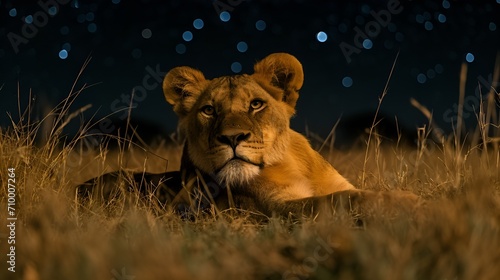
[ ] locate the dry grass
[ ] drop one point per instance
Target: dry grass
(457, 235)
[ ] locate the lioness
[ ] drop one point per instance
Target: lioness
(239, 148)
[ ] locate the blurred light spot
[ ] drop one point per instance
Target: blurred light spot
(260, 25)
(198, 23)
(347, 82)
(92, 28)
(428, 26)
(28, 19)
(80, 18)
(321, 36)
(75, 4)
(180, 48)
(367, 44)
(64, 30)
(187, 36)
(392, 27)
(441, 18)
(469, 57)
(225, 16)
(421, 78)
(67, 46)
(431, 74)
(242, 47)
(420, 18)
(446, 4)
(90, 16)
(399, 37)
(343, 28)
(236, 67)
(439, 68)
(388, 44)
(63, 54)
(136, 53)
(13, 12)
(146, 33)
(365, 9)
(115, 1)
(52, 11)
(493, 26)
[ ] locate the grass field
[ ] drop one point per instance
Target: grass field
(456, 235)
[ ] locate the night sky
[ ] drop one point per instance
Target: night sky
(347, 49)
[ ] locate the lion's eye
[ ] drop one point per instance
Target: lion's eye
(256, 104)
(208, 110)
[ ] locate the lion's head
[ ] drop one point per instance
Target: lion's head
(236, 125)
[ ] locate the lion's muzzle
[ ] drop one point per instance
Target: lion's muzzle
(233, 137)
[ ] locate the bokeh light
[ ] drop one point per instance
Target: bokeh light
(321, 36)
(421, 78)
(492, 26)
(367, 44)
(469, 57)
(89, 16)
(67, 46)
(146, 33)
(428, 26)
(198, 23)
(347, 82)
(236, 67)
(441, 18)
(242, 47)
(180, 49)
(260, 25)
(225, 16)
(28, 19)
(13, 12)
(187, 36)
(63, 54)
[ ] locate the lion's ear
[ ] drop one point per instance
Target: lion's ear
(282, 71)
(182, 86)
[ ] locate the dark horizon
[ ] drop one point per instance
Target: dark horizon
(347, 51)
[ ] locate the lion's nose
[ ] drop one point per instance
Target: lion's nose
(233, 139)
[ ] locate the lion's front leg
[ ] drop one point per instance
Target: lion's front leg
(361, 204)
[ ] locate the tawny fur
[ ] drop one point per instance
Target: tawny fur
(283, 166)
